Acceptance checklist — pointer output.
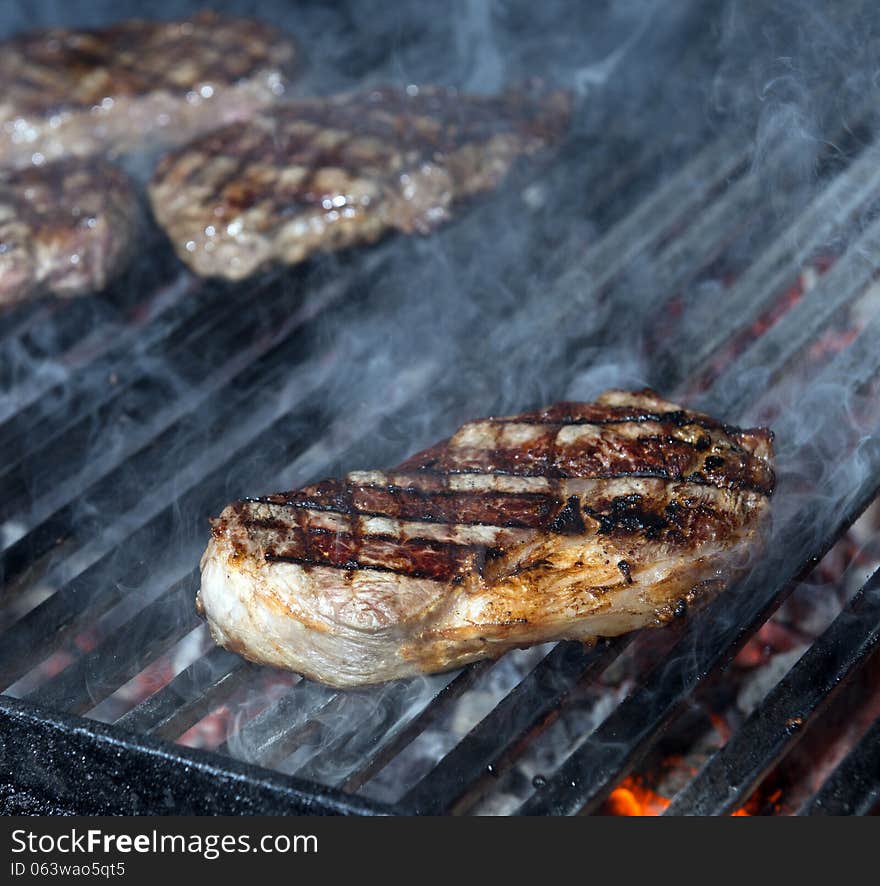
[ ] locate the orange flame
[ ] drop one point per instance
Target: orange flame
(633, 797)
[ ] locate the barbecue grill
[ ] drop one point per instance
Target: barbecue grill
(129, 417)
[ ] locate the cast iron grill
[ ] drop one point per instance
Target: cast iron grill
(139, 413)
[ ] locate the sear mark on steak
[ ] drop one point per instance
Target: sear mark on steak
(134, 85)
(569, 520)
(66, 228)
(581, 521)
(325, 174)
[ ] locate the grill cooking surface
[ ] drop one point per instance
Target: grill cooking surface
(128, 417)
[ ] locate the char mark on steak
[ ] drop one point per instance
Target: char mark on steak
(329, 173)
(580, 521)
(66, 228)
(134, 85)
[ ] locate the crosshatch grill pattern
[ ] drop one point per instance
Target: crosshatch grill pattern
(253, 381)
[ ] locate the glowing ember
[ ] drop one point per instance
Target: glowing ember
(772, 639)
(804, 282)
(634, 797)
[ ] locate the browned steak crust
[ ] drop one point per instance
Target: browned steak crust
(66, 228)
(134, 84)
(604, 443)
(582, 520)
(324, 174)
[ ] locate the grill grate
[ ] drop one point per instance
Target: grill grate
(189, 697)
(772, 730)
(73, 514)
(482, 751)
(854, 787)
(828, 217)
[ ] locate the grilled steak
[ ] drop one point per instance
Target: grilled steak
(325, 174)
(66, 227)
(133, 85)
(584, 520)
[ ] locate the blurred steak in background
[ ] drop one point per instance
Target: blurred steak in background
(135, 84)
(324, 174)
(66, 228)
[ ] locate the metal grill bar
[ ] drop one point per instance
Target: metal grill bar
(23, 347)
(529, 706)
(360, 707)
(99, 673)
(83, 330)
(854, 786)
(620, 170)
(21, 318)
(275, 732)
(390, 700)
(34, 636)
(206, 364)
(384, 748)
(777, 348)
(714, 636)
(115, 491)
(701, 231)
(670, 207)
(190, 696)
(729, 777)
(63, 404)
(716, 227)
(68, 323)
(828, 216)
(95, 533)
